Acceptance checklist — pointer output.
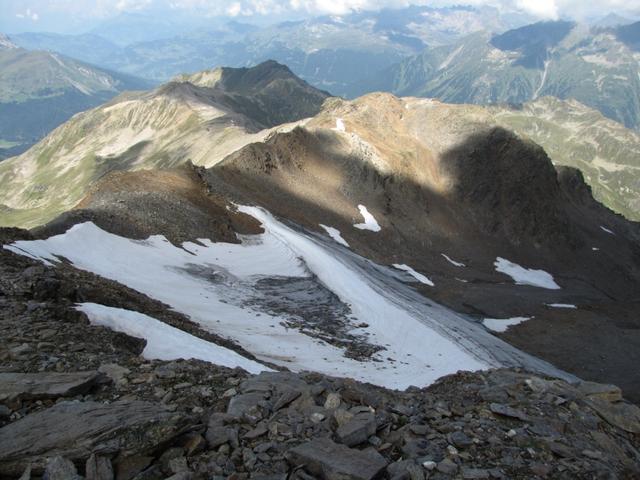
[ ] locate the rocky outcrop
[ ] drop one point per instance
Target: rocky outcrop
(193, 420)
(39, 386)
(77, 430)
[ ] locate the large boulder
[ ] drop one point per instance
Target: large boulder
(76, 430)
(331, 461)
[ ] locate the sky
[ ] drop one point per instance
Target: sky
(65, 15)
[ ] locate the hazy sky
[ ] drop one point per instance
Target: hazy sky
(24, 15)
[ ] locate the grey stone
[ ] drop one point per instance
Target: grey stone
(447, 466)
(332, 461)
(475, 474)
(507, 411)
(59, 468)
(115, 372)
(216, 436)
(622, 415)
(98, 468)
(610, 393)
(285, 399)
(5, 412)
(460, 439)
(130, 467)
(246, 403)
(333, 401)
(358, 429)
(38, 386)
(75, 430)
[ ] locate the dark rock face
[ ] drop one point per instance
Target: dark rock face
(75, 431)
(38, 386)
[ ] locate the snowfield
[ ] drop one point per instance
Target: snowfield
(526, 276)
(370, 223)
(418, 276)
(335, 234)
(221, 287)
(165, 342)
(501, 325)
(452, 262)
(562, 305)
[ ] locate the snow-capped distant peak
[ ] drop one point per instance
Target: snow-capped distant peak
(370, 223)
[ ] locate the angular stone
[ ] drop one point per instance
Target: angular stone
(622, 415)
(460, 439)
(46, 385)
(358, 429)
(333, 401)
(217, 435)
(75, 430)
(285, 399)
(59, 468)
(332, 461)
(447, 466)
(128, 468)
(610, 393)
(98, 468)
(244, 404)
(507, 411)
(475, 474)
(115, 372)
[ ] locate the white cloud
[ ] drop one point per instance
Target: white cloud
(129, 5)
(539, 8)
(545, 9)
(28, 14)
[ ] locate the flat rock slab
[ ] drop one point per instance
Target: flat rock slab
(39, 386)
(75, 430)
(333, 461)
(622, 415)
(358, 429)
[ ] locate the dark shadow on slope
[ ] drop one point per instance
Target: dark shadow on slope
(533, 41)
(507, 201)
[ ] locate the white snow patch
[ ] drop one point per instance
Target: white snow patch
(165, 342)
(526, 276)
(453, 262)
(211, 282)
(370, 223)
(335, 234)
(595, 249)
(340, 125)
(501, 325)
(561, 305)
(605, 229)
(418, 276)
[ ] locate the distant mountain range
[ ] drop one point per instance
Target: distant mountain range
(330, 52)
(40, 90)
(599, 67)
